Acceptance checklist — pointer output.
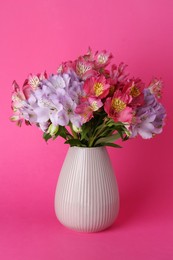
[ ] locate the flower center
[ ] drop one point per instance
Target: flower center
(69, 111)
(118, 104)
(94, 106)
(98, 89)
(82, 68)
(34, 82)
(15, 97)
(102, 59)
(134, 92)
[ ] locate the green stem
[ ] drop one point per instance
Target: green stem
(95, 136)
(69, 136)
(74, 134)
(91, 142)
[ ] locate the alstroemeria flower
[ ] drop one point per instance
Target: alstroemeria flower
(149, 118)
(102, 58)
(22, 107)
(32, 83)
(155, 87)
(89, 56)
(96, 87)
(34, 80)
(54, 101)
(67, 114)
(65, 67)
(86, 109)
(18, 102)
(84, 69)
(95, 103)
(75, 87)
(118, 74)
(44, 126)
(117, 107)
(17, 96)
(134, 88)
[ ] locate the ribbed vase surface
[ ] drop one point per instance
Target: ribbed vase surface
(86, 197)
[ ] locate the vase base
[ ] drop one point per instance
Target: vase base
(90, 227)
(85, 231)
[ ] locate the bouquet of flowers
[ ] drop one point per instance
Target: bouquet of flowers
(90, 103)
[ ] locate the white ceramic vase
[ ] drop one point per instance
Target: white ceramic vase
(87, 197)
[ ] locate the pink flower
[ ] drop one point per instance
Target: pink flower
(95, 103)
(117, 107)
(84, 68)
(118, 74)
(155, 87)
(32, 83)
(96, 87)
(66, 66)
(17, 96)
(18, 100)
(86, 109)
(102, 58)
(134, 88)
(89, 56)
(34, 80)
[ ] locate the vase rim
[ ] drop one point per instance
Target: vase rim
(89, 148)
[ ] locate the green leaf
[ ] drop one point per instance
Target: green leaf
(62, 132)
(112, 145)
(46, 136)
(108, 139)
(110, 122)
(74, 142)
(85, 130)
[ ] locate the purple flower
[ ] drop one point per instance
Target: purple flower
(54, 101)
(149, 118)
(67, 114)
(75, 87)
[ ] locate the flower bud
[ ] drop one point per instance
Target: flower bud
(14, 118)
(52, 130)
(77, 129)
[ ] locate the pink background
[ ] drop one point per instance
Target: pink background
(38, 35)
